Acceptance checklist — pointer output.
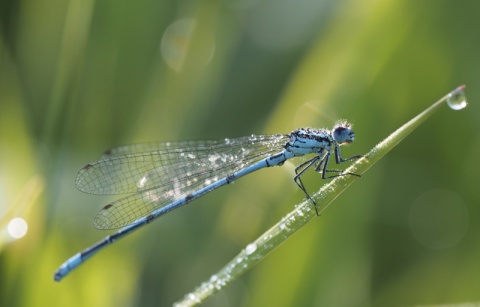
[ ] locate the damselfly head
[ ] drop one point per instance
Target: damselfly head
(343, 133)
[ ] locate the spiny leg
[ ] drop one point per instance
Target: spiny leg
(339, 159)
(300, 170)
(335, 171)
(339, 175)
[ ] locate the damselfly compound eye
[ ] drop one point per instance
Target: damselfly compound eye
(343, 133)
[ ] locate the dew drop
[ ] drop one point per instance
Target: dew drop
(250, 249)
(456, 99)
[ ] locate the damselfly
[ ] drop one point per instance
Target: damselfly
(165, 176)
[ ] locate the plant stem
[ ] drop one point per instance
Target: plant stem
(304, 212)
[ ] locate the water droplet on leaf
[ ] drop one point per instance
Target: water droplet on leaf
(456, 99)
(251, 248)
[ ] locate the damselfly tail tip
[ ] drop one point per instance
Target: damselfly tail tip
(59, 274)
(68, 266)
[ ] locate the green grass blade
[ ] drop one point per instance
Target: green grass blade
(304, 212)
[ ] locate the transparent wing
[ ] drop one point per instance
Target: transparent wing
(167, 172)
(139, 167)
(157, 146)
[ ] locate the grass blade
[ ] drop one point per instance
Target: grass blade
(304, 212)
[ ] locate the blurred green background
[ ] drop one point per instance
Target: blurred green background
(80, 76)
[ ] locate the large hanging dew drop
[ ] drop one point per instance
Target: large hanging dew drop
(456, 99)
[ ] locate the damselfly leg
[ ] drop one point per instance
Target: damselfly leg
(322, 163)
